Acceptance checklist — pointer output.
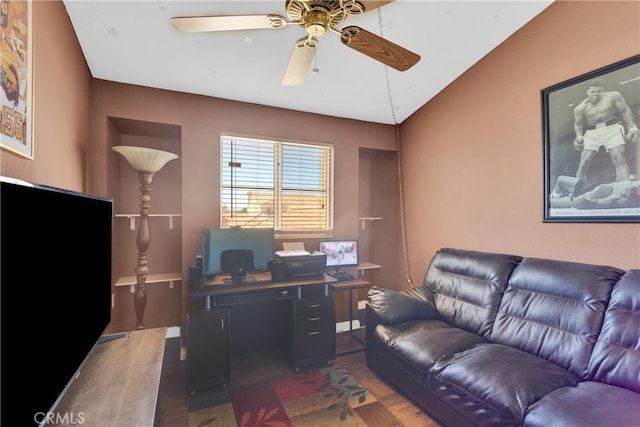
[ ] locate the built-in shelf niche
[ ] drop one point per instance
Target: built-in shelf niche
(151, 278)
(379, 218)
(164, 221)
(364, 219)
(363, 266)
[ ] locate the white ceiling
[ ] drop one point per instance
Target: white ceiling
(134, 42)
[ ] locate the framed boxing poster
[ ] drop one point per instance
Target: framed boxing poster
(590, 146)
(16, 79)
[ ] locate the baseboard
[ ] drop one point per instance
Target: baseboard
(173, 332)
(344, 326)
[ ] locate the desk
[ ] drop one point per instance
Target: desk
(296, 315)
(218, 293)
(350, 286)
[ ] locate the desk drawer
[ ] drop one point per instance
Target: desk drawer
(311, 311)
(251, 297)
(314, 330)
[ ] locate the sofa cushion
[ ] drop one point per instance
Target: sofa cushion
(554, 310)
(467, 286)
(395, 307)
(616, 355)
(422, 343)
(587, 404)
(497, 379)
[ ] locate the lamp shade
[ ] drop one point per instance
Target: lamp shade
(145, 159)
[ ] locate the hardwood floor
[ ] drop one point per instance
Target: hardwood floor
(173, 397)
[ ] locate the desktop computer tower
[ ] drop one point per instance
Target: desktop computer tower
(207, 349)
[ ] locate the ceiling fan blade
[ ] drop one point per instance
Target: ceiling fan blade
(358, 7)
(378, 48)
(303, 53)
(196, 24)
(370, 5)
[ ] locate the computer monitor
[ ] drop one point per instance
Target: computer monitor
(340, 253)
(235, 242)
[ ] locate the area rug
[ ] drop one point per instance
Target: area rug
(329, 396)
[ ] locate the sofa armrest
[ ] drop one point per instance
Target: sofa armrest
(390, 307)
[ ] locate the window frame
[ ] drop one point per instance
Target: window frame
(278, 166)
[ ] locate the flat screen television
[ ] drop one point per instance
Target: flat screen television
(55, 293)
(260, 241)
(340, 253)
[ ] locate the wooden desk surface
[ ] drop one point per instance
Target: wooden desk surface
(118, 384)
(263, 282)
(350, 284)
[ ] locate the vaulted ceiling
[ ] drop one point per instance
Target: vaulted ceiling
(135, 42)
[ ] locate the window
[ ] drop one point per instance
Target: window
(287, 186)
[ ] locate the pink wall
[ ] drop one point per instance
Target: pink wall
(472, 157)
(201, 121)
(61, 106)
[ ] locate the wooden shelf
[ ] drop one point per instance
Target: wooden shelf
(132, 218)
(368, 266)
(363, 220)
(151, 278)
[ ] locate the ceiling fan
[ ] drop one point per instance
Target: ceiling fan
(316, 17)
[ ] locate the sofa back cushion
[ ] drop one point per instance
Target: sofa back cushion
(467, 286)
(616, 355)
(554, 310)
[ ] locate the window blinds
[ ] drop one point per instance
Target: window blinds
(273, 184)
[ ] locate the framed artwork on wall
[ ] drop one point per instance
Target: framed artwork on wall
(16, 78)
(590, 146)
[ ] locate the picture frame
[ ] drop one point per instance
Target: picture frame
(591, 146)
(16, 77)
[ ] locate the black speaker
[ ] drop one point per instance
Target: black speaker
(275, 268)
(195, 278)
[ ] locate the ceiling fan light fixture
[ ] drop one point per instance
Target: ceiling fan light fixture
(316, 22)
(308, 12)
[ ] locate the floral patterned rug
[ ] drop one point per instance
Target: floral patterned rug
(322, 397)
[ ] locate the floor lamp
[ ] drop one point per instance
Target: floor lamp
(147, 162)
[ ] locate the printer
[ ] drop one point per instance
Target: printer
(294, 265)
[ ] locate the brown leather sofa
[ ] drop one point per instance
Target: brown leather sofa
(502, 340)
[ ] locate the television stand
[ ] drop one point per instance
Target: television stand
(111, 337)
(101, 393)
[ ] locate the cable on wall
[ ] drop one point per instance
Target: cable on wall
(403, 227)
